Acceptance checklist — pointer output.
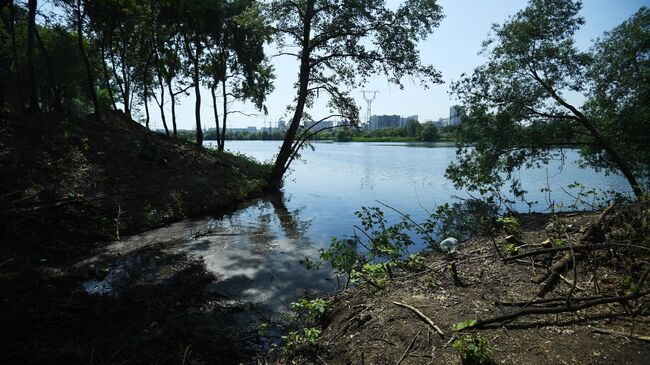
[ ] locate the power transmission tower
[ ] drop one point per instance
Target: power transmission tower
(369, 101)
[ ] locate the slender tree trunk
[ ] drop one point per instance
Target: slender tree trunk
(172, 99)
(14, 49)
(145, 92)
(107, 78)
(56, 95)
(31, 26)
(162, 94)
(197, 86)
(89, 74)
(275, 178)
(216, 113)
(126, 96)
(222, 145)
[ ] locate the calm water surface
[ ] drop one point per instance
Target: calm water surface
(256, 251)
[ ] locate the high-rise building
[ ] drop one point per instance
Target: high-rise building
(456, 113)
(384, 121)
(405, 120)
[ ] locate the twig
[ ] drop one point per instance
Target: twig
(573, 284)
(629, 335)
(408, 348)
(422, 316)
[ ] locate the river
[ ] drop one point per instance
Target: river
(256, 252)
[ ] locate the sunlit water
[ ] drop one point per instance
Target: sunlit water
(256, 251)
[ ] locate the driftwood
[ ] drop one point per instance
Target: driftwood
(422, 316)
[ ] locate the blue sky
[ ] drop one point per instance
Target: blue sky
(452, 49)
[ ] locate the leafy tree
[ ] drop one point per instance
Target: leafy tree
(237, 61)
(341, 44)
(517, 101)
(413, 128)
(429, 132)
(620, 90)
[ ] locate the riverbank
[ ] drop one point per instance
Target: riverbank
(494, 310)
(68, 182)
(68, 187)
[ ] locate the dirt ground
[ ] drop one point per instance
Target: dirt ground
(68, 186)
(366, 327)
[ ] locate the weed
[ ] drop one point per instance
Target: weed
(510, 224)
(312, 309)
(462, 325)
(301, 340)
(474, 350)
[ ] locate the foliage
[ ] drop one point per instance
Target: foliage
(462, 325)
(510, 224)
(312, 309)
(516, 114)
(339, 47)
(301, 340)
(474, 350)
(619, 90)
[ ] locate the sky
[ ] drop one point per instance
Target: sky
(452, 48)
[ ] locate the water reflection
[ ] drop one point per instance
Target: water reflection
(255, 252)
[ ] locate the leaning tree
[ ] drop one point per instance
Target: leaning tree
(518, 104)
(340, 45)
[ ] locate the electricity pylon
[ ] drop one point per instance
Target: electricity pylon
(369, 100)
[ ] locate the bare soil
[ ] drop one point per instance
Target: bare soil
(67, 187)
(366, 327)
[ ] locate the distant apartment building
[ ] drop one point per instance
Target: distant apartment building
(282, 125)
(441, 122)
(405, 120)
(389, 121)
(251, 129)
(320, 125)
(455, 115)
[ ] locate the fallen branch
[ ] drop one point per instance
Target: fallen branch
(549, 300)
(569, 307)
(422, 316)
(629, 335)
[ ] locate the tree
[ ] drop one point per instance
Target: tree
(620, 90)
(517, 103)
(341, 44)
(237, 61)
(429, 132)
(413, 128)
(31, 29)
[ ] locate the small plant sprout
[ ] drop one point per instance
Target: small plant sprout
(474, 350)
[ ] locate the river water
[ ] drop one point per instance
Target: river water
(256, 252)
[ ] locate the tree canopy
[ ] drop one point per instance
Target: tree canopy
(519, 104)
(339, 45)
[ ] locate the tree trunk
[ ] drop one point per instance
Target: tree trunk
(216, 113)
(19, 81)
(56, 95)
(31, 26)
(222, 145)
(107, 78)
(145, 85)
(172, 99)
(274, 181)
(197, 91)
(162, 94)
(89, 75)
(126, 96)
